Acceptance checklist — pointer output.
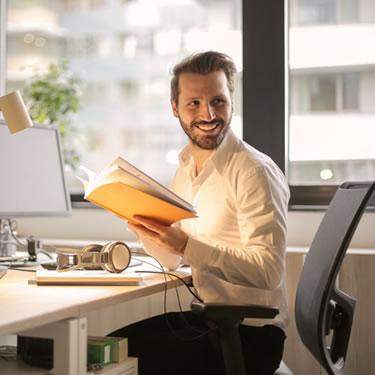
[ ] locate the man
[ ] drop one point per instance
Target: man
(236, 246)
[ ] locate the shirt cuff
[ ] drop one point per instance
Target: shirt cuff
(197, 253)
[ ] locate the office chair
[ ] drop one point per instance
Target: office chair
(321, 310)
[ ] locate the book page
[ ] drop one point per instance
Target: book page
(138, 173)
(91, 175)
(117, 174)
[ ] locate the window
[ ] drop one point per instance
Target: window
(314, 12)
(331, 83)
(305, 96)
(123, 51)
(350, 91)
(307, 92)
(325, 92)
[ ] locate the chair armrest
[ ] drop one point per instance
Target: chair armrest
(233, 312)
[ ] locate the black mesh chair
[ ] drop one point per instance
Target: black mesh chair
(323, 313)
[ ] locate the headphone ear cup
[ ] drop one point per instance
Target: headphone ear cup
(93, 248)
(118, 256)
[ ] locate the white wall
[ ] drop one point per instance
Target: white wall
(84, 224)
(303, 225)
(96, 224)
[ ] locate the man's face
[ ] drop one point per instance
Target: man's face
(204, 108)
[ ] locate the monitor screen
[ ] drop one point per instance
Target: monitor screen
(32, 182)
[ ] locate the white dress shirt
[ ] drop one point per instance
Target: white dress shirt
(236, 246)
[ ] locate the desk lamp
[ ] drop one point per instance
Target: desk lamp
(15, 112)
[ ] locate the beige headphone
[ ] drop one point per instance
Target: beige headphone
(113, 257)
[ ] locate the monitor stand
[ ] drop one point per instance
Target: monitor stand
(8, 248)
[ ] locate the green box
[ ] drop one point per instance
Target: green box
(120, 346)
(99, 351)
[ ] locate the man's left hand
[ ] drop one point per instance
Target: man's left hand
(171, 239)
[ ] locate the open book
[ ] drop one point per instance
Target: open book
(126, 191)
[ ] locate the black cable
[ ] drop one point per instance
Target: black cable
(183, 318)
(166, 273)
(177, 277)
(202, 332)
(46, 253)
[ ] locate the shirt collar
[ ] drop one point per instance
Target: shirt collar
(222, 156)
(219, 158)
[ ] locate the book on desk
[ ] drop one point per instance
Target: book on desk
(85, 277)
(126, 191)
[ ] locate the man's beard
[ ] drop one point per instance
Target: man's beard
(206, 142)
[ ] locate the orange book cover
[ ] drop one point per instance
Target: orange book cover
(126, 191)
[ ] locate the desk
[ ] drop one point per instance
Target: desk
(70, 313)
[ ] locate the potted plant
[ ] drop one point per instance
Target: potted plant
(53, 98)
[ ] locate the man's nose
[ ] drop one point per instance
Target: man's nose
(207, 112)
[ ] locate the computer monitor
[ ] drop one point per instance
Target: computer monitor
(32, 181)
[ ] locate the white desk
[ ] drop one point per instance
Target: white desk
(69, 313)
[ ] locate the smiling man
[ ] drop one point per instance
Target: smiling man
(236, 246)
(204, 108)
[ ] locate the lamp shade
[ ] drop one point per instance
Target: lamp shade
(15, 112)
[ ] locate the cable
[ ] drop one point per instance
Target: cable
(45, 253)
(167, 273)
(170, 275)
(18, 242)
(9, 242)
(202, 332)
(177, 277)
(10, 268)
(14, 236)
(182, 316)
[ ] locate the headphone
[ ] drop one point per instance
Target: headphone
(113, 257)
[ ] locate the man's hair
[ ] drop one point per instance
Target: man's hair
(203, 63)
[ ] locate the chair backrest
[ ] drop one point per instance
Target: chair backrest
(324, 313)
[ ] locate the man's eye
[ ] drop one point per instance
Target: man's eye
(218, 101)
(194, 103)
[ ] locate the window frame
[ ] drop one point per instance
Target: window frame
(265, 93)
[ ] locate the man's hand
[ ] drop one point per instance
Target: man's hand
(171, 239)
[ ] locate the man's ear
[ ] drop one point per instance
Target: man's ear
(174, 109)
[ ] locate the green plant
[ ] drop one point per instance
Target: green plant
(52, 98)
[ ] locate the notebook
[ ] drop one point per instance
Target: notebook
(86, 277)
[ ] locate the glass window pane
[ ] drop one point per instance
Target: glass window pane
(314, 93)
(351, 91)
(322, 92)
(349, 11)
(316, 11)
(122, 50)
(332, 91)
